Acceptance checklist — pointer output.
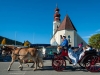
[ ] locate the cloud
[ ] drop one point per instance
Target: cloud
(86, 37)
(91, 34)
(97, 30)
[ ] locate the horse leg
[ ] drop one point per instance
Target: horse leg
(20, 61)
(40, 61)
(21, 67)
(27, 65)
(24, 63)
(11, 64)
(35, 63)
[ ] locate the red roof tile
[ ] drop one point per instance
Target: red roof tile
(66, 24)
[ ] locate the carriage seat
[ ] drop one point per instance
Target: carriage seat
(64, 52)
(91, 52)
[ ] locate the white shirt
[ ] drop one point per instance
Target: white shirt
(88, 49)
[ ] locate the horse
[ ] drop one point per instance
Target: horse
(8, 51)
(23, 54)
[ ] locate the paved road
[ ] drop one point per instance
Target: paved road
(48, 70)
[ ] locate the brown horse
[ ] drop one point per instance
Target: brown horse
(23, 54)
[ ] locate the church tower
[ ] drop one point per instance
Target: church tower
(65, 28)
(56, 21)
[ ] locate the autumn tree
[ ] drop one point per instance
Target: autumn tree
(26, 43)
(3, 41)
(94, 41)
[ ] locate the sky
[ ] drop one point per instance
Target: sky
(32, 20)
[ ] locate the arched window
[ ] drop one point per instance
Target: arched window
(60, 36)
(57, 26)
(69, 38)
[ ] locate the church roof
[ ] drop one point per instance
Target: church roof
(66, 24)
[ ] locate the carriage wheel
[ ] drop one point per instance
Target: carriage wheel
(82, 65)
(92, 64)
(58, 64)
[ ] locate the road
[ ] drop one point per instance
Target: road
(47, 70)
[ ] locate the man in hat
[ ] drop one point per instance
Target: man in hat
(64, 42)
(63, 45)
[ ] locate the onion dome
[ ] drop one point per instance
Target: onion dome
(57, 9)
(56, 15)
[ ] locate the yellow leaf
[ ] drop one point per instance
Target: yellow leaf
(3, 41)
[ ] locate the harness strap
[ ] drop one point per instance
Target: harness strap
(18, 53)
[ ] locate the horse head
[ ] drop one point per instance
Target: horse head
(8, 48)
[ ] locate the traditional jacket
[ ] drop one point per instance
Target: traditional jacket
(64, 43)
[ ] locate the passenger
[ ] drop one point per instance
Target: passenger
(79, 50)
(64, 42)
(72, 56)
(88, 48)
(63, 45)
(82, 53)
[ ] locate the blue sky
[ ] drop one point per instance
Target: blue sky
(32, 20)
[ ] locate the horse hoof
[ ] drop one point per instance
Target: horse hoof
(34, 69)
(21, 68)
(28, 65)
(8, 70)
(31, 67)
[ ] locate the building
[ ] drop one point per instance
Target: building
(66, 28)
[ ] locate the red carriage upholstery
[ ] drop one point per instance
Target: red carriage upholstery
(64, 53)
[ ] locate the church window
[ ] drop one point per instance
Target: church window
(61, 36)
(57, 26)
(69, 38)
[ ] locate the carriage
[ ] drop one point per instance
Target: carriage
(90, 61)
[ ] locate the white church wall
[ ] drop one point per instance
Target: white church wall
(75, 39)
(56, 38)
(55, 25)
(80, 40)
(71, 34)
(59, 34)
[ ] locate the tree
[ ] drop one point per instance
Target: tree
(94, 41)
(3, 41)
(26, 43)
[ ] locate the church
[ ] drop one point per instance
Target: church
(66, 28)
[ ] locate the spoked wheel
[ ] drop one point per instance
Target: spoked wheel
(82, 65)
(59, 64)
(93, 65)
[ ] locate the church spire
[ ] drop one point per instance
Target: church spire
(57, 15)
